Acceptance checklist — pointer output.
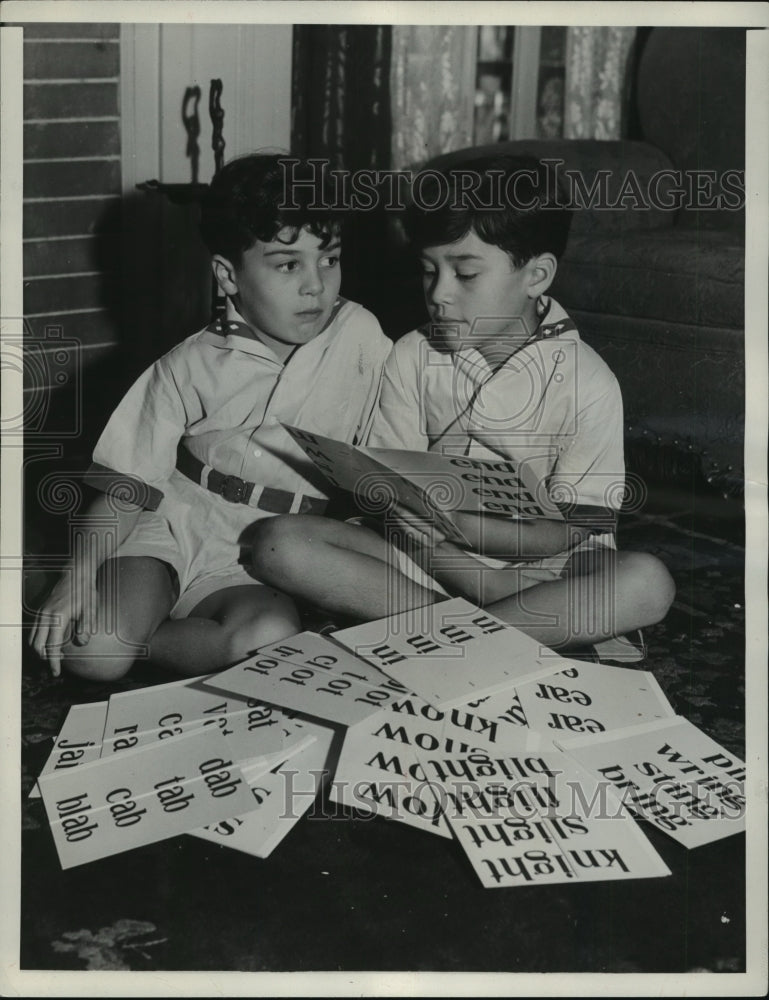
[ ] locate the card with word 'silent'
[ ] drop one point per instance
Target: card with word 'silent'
(138, 797)
(307, 673)
(671, 774)
(592, 698)
(538, 818)
(79, 740)
(450, 652)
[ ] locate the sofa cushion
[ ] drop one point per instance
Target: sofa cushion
(690, 276)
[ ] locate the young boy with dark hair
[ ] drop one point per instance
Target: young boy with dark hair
(196, 452)
(500, 371)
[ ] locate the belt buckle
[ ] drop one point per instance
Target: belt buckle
(233, 489)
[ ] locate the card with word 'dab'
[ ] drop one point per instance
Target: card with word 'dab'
(79, 740)
(308, 673)
(379, 770)
(538, 818)
(282, 795)
(145, 715)
(592, 698)
(141, 796)
(450, 652)
(672, 774)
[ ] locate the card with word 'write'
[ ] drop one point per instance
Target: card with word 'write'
(538, 819)
(672, 774)
(308, 673)
(145, 715)
(450, 652)
(592, 698)
(79, 740)
(138, 797)
(282, 795)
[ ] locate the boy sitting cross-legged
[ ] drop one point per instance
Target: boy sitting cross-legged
(500, 371)
(196, 452)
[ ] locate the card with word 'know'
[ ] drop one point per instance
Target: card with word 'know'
(504, 706)
(308, 673)
(282, 795)
(145, 715)
(79, 740)
(138, 797)
(672, 774)
(379, 770)
(537, 819)
(592, 698)
(450, 652)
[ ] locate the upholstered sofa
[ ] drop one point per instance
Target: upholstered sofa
(658, 291)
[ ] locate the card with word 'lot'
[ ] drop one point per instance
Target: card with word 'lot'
(672, 774)
(538, 819)
(379, 770)
(592, 698)
(145, 715)
(282, 795)
(308, 673)
(79, 740)
(450, 652)
(138, 797)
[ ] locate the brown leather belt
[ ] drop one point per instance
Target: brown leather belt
(237, 490)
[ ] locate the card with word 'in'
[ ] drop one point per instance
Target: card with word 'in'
(309, 674)
(450, 652)
(538, 819)
(141, 796)
(79, 740)
(671, 774)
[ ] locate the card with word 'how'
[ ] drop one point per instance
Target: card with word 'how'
(141, 796)
(537, 818)
(308, 673)
(79, 740)
(450, 652)
(592, 698)
(145, 715)
(671, 774)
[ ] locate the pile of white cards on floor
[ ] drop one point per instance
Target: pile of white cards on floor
(445, 719)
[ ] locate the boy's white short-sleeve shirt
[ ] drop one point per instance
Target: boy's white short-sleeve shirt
(554, 404)
(226, 395)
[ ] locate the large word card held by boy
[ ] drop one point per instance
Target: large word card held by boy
(450, 652)
(672, 774)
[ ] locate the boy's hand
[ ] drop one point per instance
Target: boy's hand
(73, 600)
(420, 529)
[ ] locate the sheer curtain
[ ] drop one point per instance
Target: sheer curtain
(432, 86)
(596, 73)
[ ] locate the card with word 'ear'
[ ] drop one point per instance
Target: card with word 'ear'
(138, 797)
(538, 818)
(145, 715)
(79, 740)
(672, 774)
(282, 795)
(592, 698)
(450, 652)
(308, 673)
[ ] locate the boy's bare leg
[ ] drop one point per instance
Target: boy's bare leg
(224, 628)
(339, 568)
(134, 596)
(618, 593)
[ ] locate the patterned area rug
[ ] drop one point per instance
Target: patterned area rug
(348, 894)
